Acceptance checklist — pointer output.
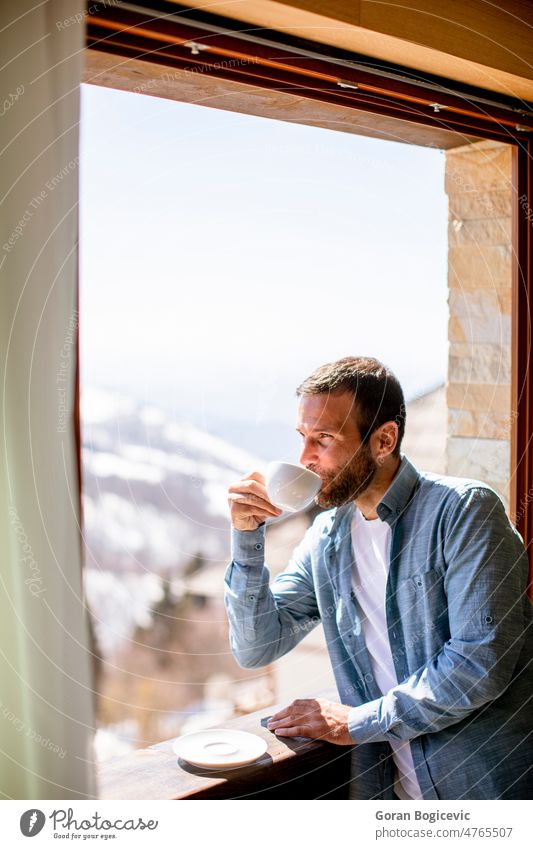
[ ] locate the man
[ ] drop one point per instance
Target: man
(420, 582)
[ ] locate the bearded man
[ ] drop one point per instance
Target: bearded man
(420, 583)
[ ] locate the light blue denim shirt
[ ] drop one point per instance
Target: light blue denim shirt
(459, 624)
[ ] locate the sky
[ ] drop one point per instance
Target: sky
(225, 256)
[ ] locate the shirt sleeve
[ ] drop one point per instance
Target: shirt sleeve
(267, 621)
(488, 611)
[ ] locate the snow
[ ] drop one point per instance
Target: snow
(119, 604)
(217, 448)
(155, 498)
(105, 465)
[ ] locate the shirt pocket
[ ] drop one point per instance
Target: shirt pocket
(427, 623)
(427, 591)
(427, 579)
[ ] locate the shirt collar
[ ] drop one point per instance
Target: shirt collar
(400, 491)
(395, 499)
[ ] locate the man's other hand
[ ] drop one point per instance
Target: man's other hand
(316, 718)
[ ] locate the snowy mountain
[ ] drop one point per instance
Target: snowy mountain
(154, 502)
(155, 490)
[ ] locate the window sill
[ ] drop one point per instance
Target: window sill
(291, 768)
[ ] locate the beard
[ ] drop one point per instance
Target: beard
(348, 481)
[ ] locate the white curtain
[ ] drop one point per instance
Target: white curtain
(46, 697)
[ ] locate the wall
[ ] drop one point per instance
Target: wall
(478, 184)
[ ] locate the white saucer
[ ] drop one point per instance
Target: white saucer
(219, 747)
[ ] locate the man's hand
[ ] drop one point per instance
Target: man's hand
(249, 504)
(316, 718)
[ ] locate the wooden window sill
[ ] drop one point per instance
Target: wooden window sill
(291, 768)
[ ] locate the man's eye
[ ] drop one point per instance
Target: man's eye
(320, 438)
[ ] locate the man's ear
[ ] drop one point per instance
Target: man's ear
(387, 438)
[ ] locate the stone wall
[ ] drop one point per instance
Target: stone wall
(478, 391)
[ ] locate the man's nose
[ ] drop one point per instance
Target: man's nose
(308, 455)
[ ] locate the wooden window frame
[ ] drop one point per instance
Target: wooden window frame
(228, 50)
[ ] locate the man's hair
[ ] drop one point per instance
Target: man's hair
(377, 392)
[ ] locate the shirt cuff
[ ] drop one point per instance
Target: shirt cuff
(248, 547)
(363, 723)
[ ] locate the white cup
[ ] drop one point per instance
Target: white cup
(290, 486)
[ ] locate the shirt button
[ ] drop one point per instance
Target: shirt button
(258, 546)
(382, 757)
(488, 619)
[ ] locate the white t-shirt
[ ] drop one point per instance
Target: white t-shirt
(371, 545)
